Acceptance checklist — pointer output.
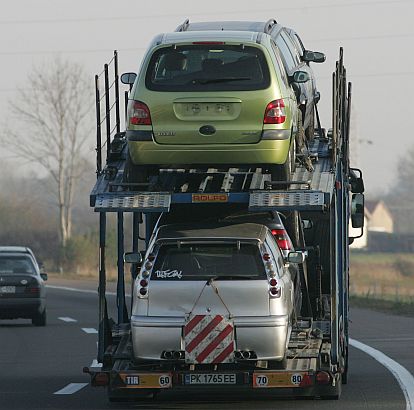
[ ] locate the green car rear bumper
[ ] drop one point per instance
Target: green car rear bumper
(264, 152)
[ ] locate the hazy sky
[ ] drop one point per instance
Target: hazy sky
(377, 37)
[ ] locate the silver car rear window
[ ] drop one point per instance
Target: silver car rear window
(208, 260)
(16, 264)
(207, 67)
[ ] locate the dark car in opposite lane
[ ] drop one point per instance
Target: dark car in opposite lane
(22, 288)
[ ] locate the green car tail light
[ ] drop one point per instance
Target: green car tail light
(275, 112)
(138, 113)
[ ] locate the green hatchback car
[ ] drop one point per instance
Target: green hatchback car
(212, 98)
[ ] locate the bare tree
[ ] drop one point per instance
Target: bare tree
(51, 128)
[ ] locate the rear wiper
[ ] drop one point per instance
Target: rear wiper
(213, 278)
(218, 80)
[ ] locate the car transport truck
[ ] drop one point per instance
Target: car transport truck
(319, 206)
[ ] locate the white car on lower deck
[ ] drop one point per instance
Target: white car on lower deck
(214, 294)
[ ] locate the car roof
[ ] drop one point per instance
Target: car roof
(196, 36)
(244, 231)
(255, 26)
(15, 249)
(255, 217)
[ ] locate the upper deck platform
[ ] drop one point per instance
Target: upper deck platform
(307, 190)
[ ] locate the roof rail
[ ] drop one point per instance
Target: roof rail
(269, 25)
(184, 26)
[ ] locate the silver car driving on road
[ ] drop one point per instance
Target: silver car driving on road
(214, 294)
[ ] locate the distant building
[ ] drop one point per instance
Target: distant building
(378, 218)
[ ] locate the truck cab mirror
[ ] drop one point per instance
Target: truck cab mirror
(133, 257)
(357, 210)
(299, 77)
(307, 224)
(356, 181)
(296, 257)
(128, 78)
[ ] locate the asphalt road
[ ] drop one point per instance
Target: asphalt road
(36, 363)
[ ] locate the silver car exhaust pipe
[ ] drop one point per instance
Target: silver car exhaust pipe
(245, 354)
(168, 355)
(237, 354)
(177, 355)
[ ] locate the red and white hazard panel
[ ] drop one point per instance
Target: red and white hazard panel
(209, 339)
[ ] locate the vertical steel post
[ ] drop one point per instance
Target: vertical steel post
(122, 317)
(102, 331)
(117, 115)
(126, 106)
(107, 111)
(98, 128)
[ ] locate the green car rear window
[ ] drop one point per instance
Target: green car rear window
(208, 67)
(208, 260)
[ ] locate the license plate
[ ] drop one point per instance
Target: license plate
(210, 378)
(7, 289)
(205, 108)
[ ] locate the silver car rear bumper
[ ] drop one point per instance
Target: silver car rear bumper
(266, 336)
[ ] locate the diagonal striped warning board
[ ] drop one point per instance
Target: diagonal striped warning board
(208, 339)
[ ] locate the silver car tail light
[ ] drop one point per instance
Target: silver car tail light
(274, 290)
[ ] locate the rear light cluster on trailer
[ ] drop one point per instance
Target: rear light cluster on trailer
(145, 274)
(282, 239)
(274, 289)
(275, 112)
(138, 113)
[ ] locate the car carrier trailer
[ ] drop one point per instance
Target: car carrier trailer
(320, 204)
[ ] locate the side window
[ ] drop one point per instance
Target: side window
(275, 251)
(298, 42)
(287, 56)
(280, 64)
(291, 46)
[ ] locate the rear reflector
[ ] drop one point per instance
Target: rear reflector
(323, 378)
(306, 381)
(101, 379)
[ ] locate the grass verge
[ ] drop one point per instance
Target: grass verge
(400, 308)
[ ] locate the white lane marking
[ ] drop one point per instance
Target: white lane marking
(71, 388)
(67, 319)
(95, 363)
(91, 292)
(90, 330)
(404, 378)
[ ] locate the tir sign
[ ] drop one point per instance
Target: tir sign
(210, 198)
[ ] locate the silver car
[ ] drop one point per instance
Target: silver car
(214, 294)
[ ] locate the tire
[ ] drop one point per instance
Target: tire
(39, 319)
(283, 172)
(134, 173)
(310, 130)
